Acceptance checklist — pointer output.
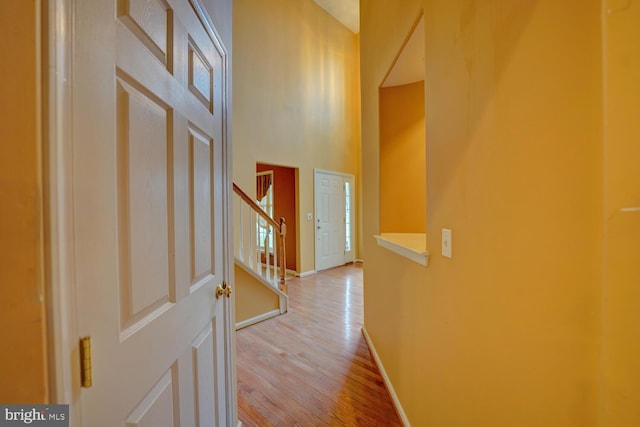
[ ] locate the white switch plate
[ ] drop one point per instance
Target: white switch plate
(309, 216)
(446, 242)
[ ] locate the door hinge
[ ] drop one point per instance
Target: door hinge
(85, 362)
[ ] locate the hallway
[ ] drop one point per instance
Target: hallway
(311, 366)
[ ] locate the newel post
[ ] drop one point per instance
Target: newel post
(283, 235)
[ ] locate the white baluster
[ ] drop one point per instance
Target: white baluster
(251, 239)
(265, 245)
(241, 237)
(275, 258)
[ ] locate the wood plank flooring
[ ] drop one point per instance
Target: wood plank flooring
(312, 366)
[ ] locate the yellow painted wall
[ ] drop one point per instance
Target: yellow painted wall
(621, 337)
(23, 374)
(507, 332)
(252, 298)
(403, 182)
(296, 98)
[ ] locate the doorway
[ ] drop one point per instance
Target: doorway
(334, 218)
(283, 191)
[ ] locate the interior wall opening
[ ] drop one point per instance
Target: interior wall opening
(284, 204)
(403, 153)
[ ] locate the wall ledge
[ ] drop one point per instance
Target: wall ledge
(409, 245)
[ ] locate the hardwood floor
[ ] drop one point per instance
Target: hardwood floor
(311, 366)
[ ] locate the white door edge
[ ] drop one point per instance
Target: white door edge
(59, 251)
(227, 220)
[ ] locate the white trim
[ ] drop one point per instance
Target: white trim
(409, 245)
(58, 177)
(385, 378)
(258, 319)
(306, 274)
(266, 283)
(330, 172)
(358, 261)
(350, 255)
(273, 287)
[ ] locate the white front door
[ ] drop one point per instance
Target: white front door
(148, 195)
(330, 220)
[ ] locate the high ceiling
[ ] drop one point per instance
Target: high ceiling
(345, 11)
(409, 67)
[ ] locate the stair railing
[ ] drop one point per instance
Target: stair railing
(254, 253)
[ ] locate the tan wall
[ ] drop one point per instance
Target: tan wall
(506, 333)
(23, 374)
(252, 298)
(403, 174)
(296, 97)
(621, 343)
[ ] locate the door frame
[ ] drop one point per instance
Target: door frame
(56, 20)
(346, 177)
(62, 335)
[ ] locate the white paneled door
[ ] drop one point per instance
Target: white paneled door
(149, 197)
(333, 219)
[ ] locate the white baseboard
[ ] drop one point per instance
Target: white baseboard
(385, 377)
(257, 319)
(307, 273)
(359, 261)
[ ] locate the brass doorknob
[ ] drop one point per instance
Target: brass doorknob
(223, 289)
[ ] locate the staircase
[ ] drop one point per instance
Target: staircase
(260, 261)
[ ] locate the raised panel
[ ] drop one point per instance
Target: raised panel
(145, 205)
(152, 23)
(324, 207)
(160, 407)
(325, 244)
(201, 205)
(200, 75)
(204, 377)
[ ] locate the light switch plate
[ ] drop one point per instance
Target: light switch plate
(446, 242)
